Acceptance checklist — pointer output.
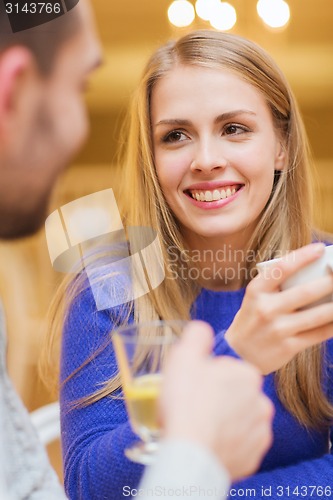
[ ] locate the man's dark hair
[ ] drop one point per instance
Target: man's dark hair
(44, 40)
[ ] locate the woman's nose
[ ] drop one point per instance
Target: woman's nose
(208, 156)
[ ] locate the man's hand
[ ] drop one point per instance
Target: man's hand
(216, 402)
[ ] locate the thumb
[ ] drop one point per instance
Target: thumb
(197, 338)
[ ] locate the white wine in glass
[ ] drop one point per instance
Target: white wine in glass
(141, 350)
(142, 404)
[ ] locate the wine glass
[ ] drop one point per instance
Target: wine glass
(141, 350)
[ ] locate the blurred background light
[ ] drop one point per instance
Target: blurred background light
(223, 17)
(274, 13)
(181, 13)
(205, 8)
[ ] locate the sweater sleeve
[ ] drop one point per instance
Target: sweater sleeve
(309, 479)
(222, 347)
(184, 469)
(94, 436)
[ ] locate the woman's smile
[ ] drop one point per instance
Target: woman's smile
(209, 197)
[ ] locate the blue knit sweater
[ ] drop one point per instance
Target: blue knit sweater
(299, 464)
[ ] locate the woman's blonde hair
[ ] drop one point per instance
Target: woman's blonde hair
(285, 223)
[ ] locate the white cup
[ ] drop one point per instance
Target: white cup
(317, 269)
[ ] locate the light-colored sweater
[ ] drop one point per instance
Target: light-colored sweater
(183, 470)
(25, 471)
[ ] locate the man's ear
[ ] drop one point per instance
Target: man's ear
(16, 64)
(281, 157)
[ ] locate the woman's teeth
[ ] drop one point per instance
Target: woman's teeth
(215, 195)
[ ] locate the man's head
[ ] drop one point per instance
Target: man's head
(43, 122)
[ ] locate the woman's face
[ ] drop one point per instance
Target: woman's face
(215, 151)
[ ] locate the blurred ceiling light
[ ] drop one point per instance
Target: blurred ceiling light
(205, 8)
(181, 13)
(275, 13)
(224, 16)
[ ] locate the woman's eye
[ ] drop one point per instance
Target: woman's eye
(175, 136)
(234, 129)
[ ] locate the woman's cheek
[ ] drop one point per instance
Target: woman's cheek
(172, 167)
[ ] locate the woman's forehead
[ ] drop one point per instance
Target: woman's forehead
(185, 87)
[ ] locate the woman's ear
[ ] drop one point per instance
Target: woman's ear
(281, 156)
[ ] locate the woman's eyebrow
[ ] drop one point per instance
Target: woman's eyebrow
(173, 121)
(232, 114)
(222, 117)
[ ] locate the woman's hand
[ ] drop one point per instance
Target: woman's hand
(270, 329)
